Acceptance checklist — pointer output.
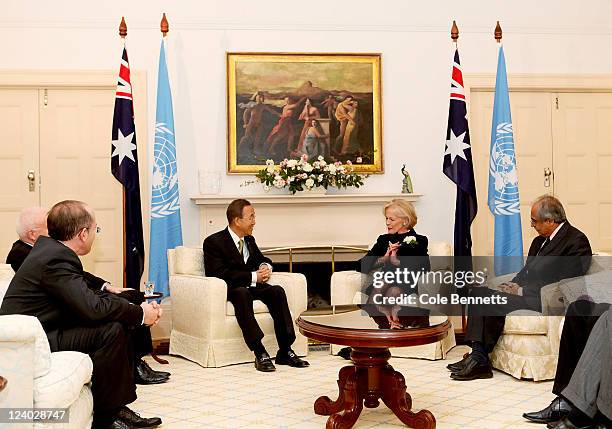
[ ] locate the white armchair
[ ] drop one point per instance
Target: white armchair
(38, 378)
(346, 289)
(204, 326)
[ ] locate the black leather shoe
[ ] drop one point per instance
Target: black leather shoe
(118, 424)
(566, 424)
(134, 420)
(263, 363)
(290, 358)
(473, 370)
(143, 374)
(146, 368)
(458, 366)
(345, 353)
(557, 409)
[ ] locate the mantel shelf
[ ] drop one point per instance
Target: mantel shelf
(303, 198)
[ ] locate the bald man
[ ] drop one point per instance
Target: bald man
(31, 224)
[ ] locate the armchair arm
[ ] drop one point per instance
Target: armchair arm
(295, 288)
(197, 302)
(344, 285)
(552, 300)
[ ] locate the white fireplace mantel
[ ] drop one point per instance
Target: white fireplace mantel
(305, 219)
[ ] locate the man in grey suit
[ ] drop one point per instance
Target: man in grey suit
(590, 388)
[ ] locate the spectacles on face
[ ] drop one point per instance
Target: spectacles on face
(98, 229)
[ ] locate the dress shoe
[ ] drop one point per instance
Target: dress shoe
(473, 370)
(263, 363)
(133, 419)
(458, 366)
(118, 424)
(566, 424)
(557, 409)
(345, 353)
(290, 358)
(143, 374)
(150, 370)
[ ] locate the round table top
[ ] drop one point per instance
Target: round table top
(350, 325)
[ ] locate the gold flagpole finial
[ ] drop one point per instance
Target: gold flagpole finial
(163, 26)
(498, 33)
(454, 32)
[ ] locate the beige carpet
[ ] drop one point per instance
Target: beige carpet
(240, 397)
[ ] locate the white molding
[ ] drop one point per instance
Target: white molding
(306, 199)
(541, 82)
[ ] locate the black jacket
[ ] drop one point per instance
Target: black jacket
(567, 255)
(222, 259)
(51, 285)
(21, 250)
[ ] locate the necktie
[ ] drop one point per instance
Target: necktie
(544, 245)
(241, 247)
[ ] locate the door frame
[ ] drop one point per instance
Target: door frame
(98, 79)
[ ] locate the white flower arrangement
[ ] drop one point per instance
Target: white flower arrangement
(410, 240)
(301, 174)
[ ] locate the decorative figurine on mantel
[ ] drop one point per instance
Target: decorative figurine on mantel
(406, 182)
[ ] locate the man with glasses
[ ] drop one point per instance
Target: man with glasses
(31, 224)
(233, 255)
(559, 251)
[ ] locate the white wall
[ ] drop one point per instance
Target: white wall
(539, 37)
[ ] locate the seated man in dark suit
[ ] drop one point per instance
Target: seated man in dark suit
(560, 251)
(51, 285)
(31, 224)
(232, 255)
(580, 318)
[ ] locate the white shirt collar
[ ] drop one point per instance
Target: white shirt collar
(555, 231)
(234, 236)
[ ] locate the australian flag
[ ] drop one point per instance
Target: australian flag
(459, 168)
(124, 166)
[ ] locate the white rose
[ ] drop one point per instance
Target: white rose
(269, 162)
(309, 183)
(320, 178)
(331, 168)
(411, 239)
(291, 163)
(320, 158)
(267, 188)
(307, 168)
(270, 169)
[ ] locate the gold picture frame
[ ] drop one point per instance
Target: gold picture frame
(284, 105)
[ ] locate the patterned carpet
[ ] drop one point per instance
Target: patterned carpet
(238, 396)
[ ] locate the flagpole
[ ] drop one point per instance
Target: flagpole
(455, 37)
(122, 34)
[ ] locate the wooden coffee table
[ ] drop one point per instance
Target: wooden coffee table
(370, 377)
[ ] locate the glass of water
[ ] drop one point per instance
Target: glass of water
(149, 288)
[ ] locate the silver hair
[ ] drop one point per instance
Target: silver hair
(550, 208)
(29, 219)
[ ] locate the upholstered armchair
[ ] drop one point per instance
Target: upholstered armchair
(529, 345)
(38, 378)
(346, 289)
(204, 325)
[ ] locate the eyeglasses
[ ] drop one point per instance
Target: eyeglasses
(98, 229)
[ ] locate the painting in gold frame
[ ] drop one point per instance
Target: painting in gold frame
(285, 105)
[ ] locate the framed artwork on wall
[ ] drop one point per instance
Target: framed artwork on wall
(285, 105)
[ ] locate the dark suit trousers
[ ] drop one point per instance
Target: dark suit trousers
(486, 322)
(109, 347)
(275, 299)
(141, 335)
(580, 318)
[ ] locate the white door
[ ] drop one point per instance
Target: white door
(75, 164)
(583, 163)
(18, 156)
(531, 113)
